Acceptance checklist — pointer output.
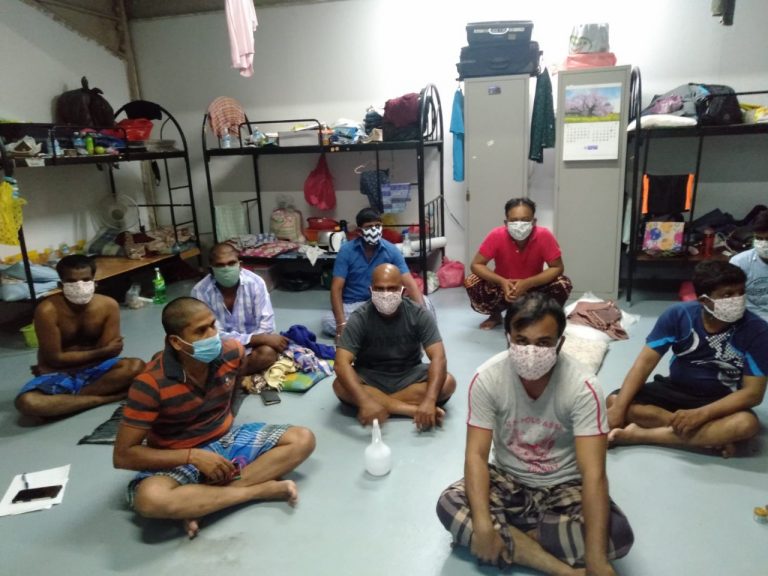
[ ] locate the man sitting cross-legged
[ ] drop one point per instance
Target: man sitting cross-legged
(195, 460)
(78, 364)
(378, 361)
(717, 374)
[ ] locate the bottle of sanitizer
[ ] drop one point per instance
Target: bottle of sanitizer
(378, 456)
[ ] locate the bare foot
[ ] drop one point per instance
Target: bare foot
(726, 450)
(622, 435)
(439, 415)
(191, 527)
(278, 490)
(491, 322)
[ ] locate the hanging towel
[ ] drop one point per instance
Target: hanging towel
(241, 23)
(225, 116)
(542, 118)
(457, 129)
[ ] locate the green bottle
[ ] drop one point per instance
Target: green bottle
(159, 285)
(89, 144)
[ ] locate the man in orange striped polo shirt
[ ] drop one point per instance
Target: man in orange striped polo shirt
(194, 461)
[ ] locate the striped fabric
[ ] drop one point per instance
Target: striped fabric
(176, 413)
(225, 115)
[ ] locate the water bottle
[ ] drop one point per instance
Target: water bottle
(89, 147)
(79, 144)
(158, 283)
(378, 456)
(407, 244)
(226, 140)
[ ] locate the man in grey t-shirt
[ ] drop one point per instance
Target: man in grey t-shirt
(543, 502)
(378, 360)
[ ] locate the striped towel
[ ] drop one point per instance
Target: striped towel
(225, 115)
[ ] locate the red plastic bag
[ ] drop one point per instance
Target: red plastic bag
(451, 273)
(419, 281)
(318, 187)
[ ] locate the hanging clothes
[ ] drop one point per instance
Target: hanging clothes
(457, 129)
(241, 23)
(225, 115)
(542, 118)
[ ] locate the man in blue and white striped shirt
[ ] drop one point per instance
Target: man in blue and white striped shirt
(240, 301)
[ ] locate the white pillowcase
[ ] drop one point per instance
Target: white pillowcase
(589, 352)
(662, 121)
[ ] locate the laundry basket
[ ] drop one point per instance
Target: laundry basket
(30, 336)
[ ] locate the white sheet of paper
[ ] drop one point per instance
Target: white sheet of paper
(39, 479)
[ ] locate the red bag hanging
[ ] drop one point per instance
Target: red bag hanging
(318, 187)
(451, 273)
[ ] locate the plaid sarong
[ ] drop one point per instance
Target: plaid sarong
(554, 512)
(242, 444)
(488, 298)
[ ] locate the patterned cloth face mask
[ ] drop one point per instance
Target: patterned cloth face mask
(519, 229)
(227, 276)
(372, 235)
(761, 248)
(387, 303)
(80, 292)
(532, 362)
(728, 310)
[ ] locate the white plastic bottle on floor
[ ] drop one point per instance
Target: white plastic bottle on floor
(378, 456)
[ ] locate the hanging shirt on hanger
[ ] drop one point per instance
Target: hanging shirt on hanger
(457, 129)
(241, 23)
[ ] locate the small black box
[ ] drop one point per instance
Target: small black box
(516, 32)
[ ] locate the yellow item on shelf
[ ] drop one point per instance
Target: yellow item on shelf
(10, 215)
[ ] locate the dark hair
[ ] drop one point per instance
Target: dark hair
(221, 247)
(367, 215)
(530, 309)
(176, 314)
(514, 202)
(761, 222)
(75, 262)
(709, 275)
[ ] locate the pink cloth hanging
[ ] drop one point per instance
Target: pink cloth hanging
(241, 23)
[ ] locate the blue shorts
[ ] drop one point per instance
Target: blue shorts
(68, 383)
(242, 445)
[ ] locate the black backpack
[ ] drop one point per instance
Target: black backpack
(716, 105)
(84, 107)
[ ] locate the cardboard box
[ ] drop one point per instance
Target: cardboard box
(298, 138)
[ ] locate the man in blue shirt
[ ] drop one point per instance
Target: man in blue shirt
(353, 270)
(717, 374)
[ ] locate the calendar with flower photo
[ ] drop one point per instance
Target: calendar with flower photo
(591, 122)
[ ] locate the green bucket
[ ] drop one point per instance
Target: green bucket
(30, 336)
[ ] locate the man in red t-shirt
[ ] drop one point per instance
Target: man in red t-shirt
(178, 428)
(519, 250)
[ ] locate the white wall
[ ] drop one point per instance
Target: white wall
(40, 59)
(334, 59)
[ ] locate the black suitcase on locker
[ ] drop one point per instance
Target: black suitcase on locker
(515, 32)
(498, 60)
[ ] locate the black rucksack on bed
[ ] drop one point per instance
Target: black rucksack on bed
(84, 107)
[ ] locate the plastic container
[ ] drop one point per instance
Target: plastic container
(406, 246)
(226, 140)
(30, 336)
(378, 456)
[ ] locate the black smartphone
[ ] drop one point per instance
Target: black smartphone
(269, 396)
(29, 494)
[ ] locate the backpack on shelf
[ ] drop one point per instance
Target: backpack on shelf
(84, 107)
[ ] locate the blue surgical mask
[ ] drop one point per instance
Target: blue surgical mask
(205, 350)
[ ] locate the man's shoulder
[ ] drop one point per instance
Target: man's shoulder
(203, 285)
(106, 303)
(249, 277)
(493, 368)
(742, 259)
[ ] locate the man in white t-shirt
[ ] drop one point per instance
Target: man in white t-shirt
(754, 262)
(543, 502)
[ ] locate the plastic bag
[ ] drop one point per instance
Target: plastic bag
(10, 215)
(451, 273)
(285, 223)
(84, 107)
(318, 187)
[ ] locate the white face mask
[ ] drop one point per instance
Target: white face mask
(372, 235)
(387, 303)
(728, 310)
(80, 292)
(519, 230)
(532, 362)
(761, 248)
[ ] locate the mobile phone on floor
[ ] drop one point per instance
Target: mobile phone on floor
(30, 494)
(270, 396)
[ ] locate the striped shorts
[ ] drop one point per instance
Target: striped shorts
(242, 444)
(554, 512)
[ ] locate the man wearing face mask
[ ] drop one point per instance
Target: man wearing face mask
(240, 301)
(178, 429)
(378, 361)
(520, 250)
(754, 262)
(543, 502)
(78, 364)
(717, 374)
(354, 267)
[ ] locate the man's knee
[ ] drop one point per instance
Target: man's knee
(301, 439)
(132, 367)
(262, 358)
(621, 536)
(449, 387)
(151, 500)
(31, 403)
(744, 425)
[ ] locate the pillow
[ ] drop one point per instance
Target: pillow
(589, 352)
(39, 273)
(662, 121)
